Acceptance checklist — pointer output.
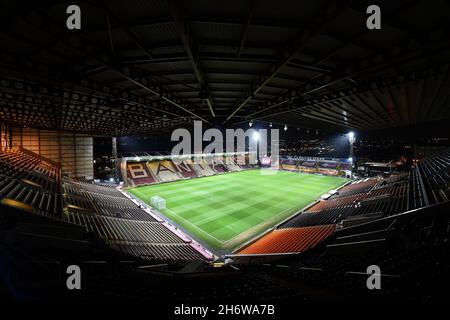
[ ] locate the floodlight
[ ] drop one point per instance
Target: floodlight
(351, 135)
(256, 136)
(285, 127)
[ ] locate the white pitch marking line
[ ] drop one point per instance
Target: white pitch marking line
(198, 228)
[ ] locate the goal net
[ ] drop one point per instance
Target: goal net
(158, 203)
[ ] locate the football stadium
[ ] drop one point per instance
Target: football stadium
(217, 209)
(255, 152)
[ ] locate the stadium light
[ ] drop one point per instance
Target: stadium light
(256, 136)
(270, 125)
(351, 140)
(250, 124)
(351, 135)
(285, 127)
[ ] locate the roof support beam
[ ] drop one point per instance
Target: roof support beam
(320, 84)
(247, 25)
(112, 16)
(187, 40)
(124, 72)
(290, 52)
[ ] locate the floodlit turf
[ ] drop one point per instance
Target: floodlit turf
(223, 211)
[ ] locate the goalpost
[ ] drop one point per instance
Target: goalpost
(158, 203)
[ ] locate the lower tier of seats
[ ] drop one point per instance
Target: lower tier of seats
(290, 240)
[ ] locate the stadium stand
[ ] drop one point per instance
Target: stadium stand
(230, 162)
(404, 246)
(138, 174)
(288, 164)
(117, 229)
(165, 252)
(356, 203)
(308, 166)
(121, 223)
(103, 89)
(203, 169)
(361, 216)
(328, 167)
(145, 172)
(105, 201)
(380, 197)
(244, 161)
(218, 165)
(436, 175)
(358, 186)
(31, 184)
(344, 166)
(185, 169)
(417, 195)
(338, 202)
(163, 170)
(329, 232)
(290, 240)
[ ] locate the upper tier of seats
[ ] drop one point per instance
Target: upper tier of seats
(30, 182)
(21, 164)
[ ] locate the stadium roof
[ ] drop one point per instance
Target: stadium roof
(140, 66)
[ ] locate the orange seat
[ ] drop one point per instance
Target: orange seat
(290, 240)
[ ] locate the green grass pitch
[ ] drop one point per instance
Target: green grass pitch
(224, 211)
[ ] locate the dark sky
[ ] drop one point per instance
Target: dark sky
(161, 142)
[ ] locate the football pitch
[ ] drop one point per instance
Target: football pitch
(224, 211)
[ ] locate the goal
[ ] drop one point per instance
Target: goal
(158, 203)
